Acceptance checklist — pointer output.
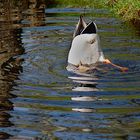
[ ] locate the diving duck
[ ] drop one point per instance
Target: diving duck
(85, 48)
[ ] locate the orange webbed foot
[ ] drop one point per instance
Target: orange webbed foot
(106, 61)
(124, 69)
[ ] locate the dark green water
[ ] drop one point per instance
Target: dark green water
(39, 99)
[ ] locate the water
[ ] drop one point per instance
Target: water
(40, 99)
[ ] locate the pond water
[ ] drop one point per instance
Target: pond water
(40, 99)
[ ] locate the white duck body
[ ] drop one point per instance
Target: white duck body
(85, 48)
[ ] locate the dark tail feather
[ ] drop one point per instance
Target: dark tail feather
(81, 25)
(90, 29)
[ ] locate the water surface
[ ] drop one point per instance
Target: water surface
(40, 99)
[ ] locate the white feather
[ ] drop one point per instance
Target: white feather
(85, 49)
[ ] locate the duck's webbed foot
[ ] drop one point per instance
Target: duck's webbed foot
(123, 69)
(106, 61)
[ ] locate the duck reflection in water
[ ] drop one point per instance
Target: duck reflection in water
(84, 84)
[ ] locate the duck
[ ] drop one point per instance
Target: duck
(85, 50)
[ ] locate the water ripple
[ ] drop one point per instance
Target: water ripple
(40, 99)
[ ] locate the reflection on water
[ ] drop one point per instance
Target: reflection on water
(10, 63)
(86, 83)
(40, 99)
